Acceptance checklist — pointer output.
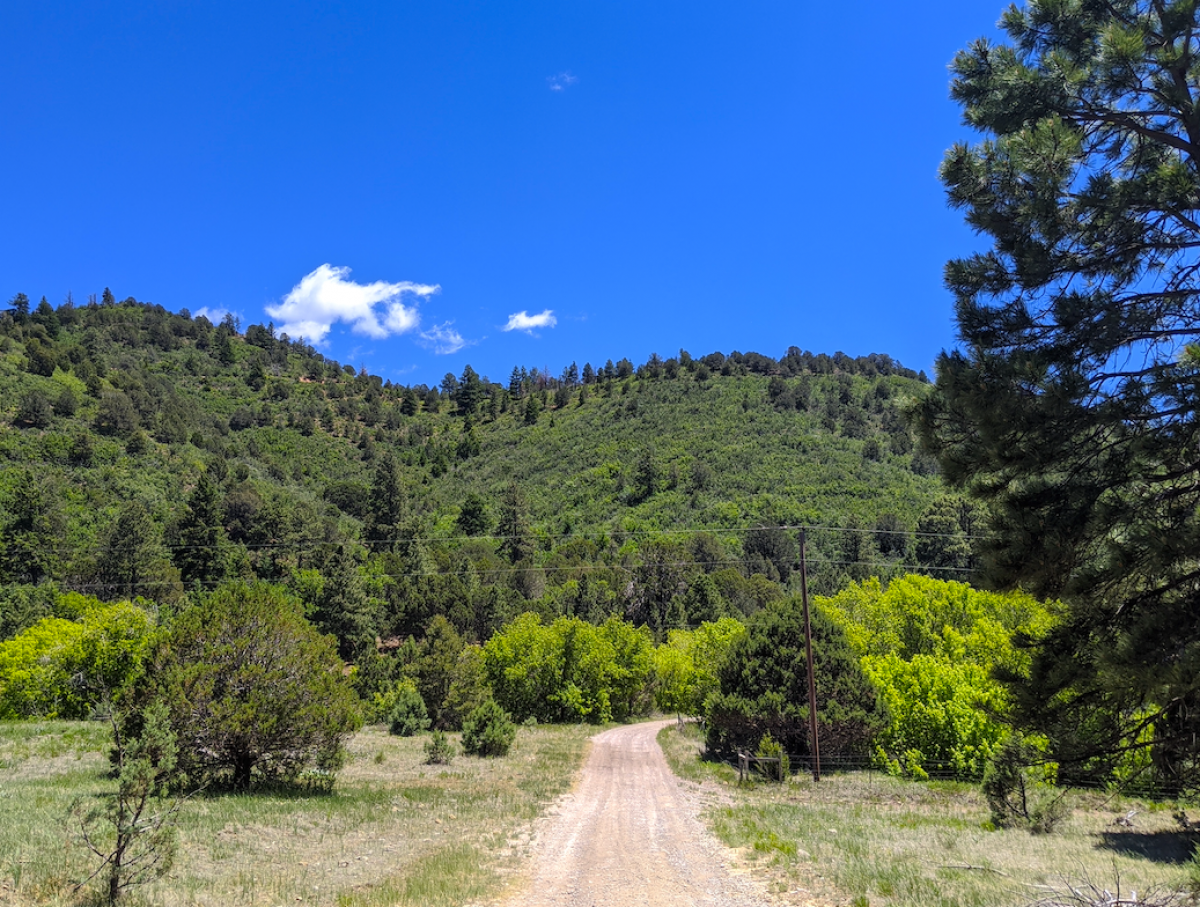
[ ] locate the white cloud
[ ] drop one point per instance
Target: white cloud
(443, 339)
(325, 297)
(562, 81)
(523, 321)
(215, 314)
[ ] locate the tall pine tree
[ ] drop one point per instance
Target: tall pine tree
(1071, 407)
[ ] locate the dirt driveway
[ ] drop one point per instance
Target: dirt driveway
(628, 835)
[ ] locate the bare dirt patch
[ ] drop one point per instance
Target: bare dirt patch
(629, 835)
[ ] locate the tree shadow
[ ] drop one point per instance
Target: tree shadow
(274, 790)
(1173, 847)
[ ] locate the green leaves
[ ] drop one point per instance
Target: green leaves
(569, 670)
(65, 668)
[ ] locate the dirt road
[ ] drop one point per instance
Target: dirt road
(629, 835)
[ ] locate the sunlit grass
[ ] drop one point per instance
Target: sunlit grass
(866, 838)
(394, 831)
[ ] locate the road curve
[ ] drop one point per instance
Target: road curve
(629, 836)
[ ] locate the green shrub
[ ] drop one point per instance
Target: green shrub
(66, 668)
(570, 670)
(439, 750)
(763, 687)
(408, 715)
(1018, 785)
(256, 693)
(488, 731)
(769, 748)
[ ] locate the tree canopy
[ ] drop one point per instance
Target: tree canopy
(1071, 406)
(763, 687)
(255, 693)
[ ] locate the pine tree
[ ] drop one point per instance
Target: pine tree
(1071, 407)
(201, 549)
(516, 536)
(344, 609)
(388, 505)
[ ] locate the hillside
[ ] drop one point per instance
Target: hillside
(122, 424)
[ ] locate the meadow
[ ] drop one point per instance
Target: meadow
(864, 838)
(394, 830)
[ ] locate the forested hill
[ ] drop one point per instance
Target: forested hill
(142, 452)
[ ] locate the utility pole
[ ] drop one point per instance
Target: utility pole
(812, 686)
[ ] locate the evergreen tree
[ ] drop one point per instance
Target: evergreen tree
(20, 308)
(763, 687)
(29, 544)
(131, 561)
(516, 536)
(388, 504)
(256, 694)
(1071, 408)
(344, 609)
(533, 410)
(201, 549)
(473, 517)
(943, 549)
(469, 393)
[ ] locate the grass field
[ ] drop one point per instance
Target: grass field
(394, 831)
(867, 839)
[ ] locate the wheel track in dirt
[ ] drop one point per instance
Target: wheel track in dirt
(628, 835)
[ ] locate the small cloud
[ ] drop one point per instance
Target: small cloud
(443, 339)
(214, 314)
(562, 81)
(523, 321)
(326, 296)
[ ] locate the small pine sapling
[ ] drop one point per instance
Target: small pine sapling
(439, 750)
(488, 731)
(133, 830)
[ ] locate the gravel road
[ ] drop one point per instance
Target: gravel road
(628, 835)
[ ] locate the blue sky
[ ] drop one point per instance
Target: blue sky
(420, 186)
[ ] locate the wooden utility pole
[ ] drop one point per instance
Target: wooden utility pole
(814, 744)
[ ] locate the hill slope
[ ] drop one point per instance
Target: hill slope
(118, 411)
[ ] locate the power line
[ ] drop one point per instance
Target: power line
(311, 545)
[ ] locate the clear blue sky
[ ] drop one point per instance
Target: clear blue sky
(710, 176)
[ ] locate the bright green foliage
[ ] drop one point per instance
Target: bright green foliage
(920, 615)
(488, 731)
(1070, 409)
(64, 668)
(685, 666)
(256, 694)
(33, 678)
(763, 687)
(931, 648)
(942, 714)
(570, 670)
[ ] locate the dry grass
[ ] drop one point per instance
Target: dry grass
(865, 838)
(395, 831)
